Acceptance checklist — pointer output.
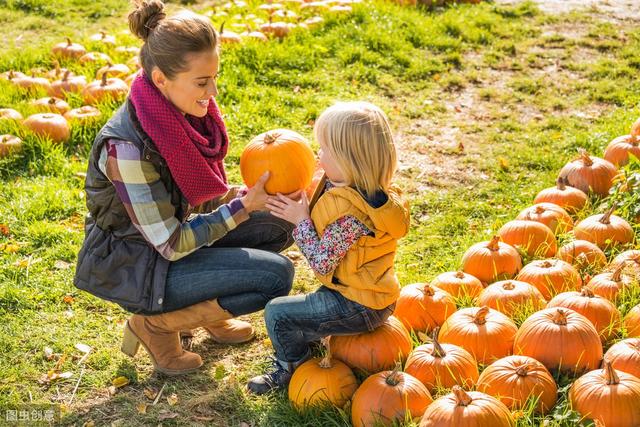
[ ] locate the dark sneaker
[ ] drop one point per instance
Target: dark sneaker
(277, 379)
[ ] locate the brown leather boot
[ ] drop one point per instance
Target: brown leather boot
(159, 335)
(230, 331)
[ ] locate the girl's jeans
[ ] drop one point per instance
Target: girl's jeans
(242, 270)
(295, 321)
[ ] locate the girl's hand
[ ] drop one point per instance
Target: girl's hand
(255, 198)
(290, 210)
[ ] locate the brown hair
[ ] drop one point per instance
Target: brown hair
(168, 40)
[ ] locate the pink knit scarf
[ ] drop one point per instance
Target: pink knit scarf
(193, 147)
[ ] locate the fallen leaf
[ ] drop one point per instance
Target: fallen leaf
(172, 399)
(4, 229)
(9, 248)
(89, 423)
(166, 415)
(62, 265)
(112, 390)
(68, 299)
(120, 382)
(142, 408)
(220, 372)
(23, 263)
(150, 393)
(83, 348)
(48, 353)
(504, 164)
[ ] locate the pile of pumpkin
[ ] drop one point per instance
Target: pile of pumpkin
(571, 317)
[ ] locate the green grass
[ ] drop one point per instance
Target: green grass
(526, 120)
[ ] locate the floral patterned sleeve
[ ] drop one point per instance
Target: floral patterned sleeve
(324, 253)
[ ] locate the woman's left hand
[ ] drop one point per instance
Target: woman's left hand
(288, 209)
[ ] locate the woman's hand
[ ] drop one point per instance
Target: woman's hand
(288, 209)
(256, 197)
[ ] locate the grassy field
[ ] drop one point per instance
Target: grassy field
(487, 102)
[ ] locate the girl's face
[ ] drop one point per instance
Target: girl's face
(191, 90)
(328, 163)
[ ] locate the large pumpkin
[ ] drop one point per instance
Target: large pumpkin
(605, 230)
(631, 260)
(388, 396)
(618, 150)
(625, 356)
(442, 365)
(567, 197)
(49, 125)
(532, 237)
(491, 261)
(632, 322)
(511, 296)
(467, 409)
(601, 312)
(607, 395)
(549, 214)
(285, 154)
(583, 254)
(422, 307)
(560, 339)
(589, 174)
(550, 276)
(516, 379)
(459, 284)
(374, 351)
(484, 332)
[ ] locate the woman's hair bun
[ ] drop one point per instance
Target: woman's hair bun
(145, 17)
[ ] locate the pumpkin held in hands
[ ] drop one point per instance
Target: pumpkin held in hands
(285, 154)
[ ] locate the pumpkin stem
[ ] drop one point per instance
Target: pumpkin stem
(523, 370)
(103, 82)
(428, 290)
(546, 264)
(617, 273)
(560, 317)
(438, 351)
(66, 75)
(481, 315)
(610, 374)
(461, 396)
(494, 243)
(606, 218)
(68, 41)
(586, 291)
(393, 379)
(222, 27)
(271, 137)
(540, 209)
(508, 286)
(560, 184)
(584, 156)
(635, 129)
(459, 274)
(325, 363)
(52, 101)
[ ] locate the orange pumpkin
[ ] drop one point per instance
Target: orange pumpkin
(9, 114)
(387, 397)
(485, 333)
(583, 254)
(104, 89)
(374, 351)
(103, 37)
(321, 381)
(605, 230)
(516, 379)
(467, 409)
(51, 104)
(601, 312)
(608, 396)
(632, 322)
(120, 71)
(560, 339)
(631, 260)
(50, 125)
(67, 83)
(285, 154)
(68, 49)
(549, 214)
(569, 198)
(610, 283)
(32, 83)
(550, 276)
(9, 144)
(458, 283)
(277, 29)
(618, 150)
(422, 307)
(510, 296)
(532, 237)
(625, 356)
(228, 37)
(590, 174)
(83, 115)
(442, 365)
(491, 261)
(94, 57)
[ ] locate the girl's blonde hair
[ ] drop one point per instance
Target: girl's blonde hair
(359, 138)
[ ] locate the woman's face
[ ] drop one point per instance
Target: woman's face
(328, 163)
(191, 90)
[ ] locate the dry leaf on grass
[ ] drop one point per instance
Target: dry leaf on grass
(120, 382)
(62, 265)
(172, 399)
(150, 393)
(167, 415)
(142, 408)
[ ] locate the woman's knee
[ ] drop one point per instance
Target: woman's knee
(284, 272)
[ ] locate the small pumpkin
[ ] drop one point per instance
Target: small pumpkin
(608, 396)
(9, 144)
(569, 198)
(422, 307)
(94, 57)
(610, 283)
(374, 351)
(509, 296)
(560, 339)
(590, 174)
(53, 126)
(516, 379)
(549, 214)
(276, 29)
(68, 49)
(104, 89)
(128, 49)
(254, 35)
(632, 322)
(67, 83)
(32, 83)
(83, 115)
(120, 71)
(583, 254)
(625, 356)
(458, 283)
(442, 365)
(389, 396)
(51, 104)
(9, 114)
(467, 409)
(491, 261)
(618, 150)
(532, 237)
(605, 230)
(10, 75)
(550, 276)
(286, 154)
(484, 332)
(103, 37)
(601, 312)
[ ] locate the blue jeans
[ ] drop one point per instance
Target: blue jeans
(242, 269)
(295, 321)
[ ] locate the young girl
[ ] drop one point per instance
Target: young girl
(349, 240)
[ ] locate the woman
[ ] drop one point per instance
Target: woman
(166, 237)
